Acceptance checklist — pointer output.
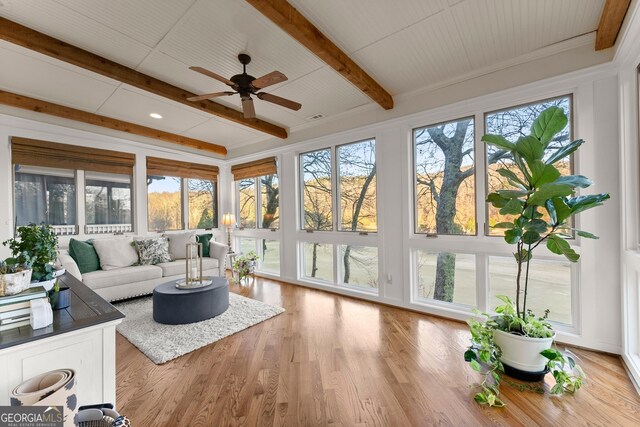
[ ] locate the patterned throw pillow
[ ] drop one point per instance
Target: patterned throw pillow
(153, 251)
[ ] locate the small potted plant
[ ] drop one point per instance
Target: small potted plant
(39, 243)
(542, 202)
(59, 296)
(245, 265)
(15, 275)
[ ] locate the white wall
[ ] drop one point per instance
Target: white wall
(598, 290)
(15, 126)
(597, 287)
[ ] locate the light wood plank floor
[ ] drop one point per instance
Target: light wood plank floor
(333, 360)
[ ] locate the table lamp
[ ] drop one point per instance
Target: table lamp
(228, 219)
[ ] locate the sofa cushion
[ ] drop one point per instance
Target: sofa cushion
(121, 276)
(178, 244)
(178, 267)
(152, 251)
(115, 253)
(85, 255)
(204, 239)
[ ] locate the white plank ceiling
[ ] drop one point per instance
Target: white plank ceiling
(405, 45)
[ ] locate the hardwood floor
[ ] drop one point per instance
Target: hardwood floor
(333, 360)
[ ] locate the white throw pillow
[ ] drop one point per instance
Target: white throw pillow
(178, 244)
(115, 253)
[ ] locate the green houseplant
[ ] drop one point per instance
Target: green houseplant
(38, 244)
(245, 265)
(542, 202)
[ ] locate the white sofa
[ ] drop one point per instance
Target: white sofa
(128, 282)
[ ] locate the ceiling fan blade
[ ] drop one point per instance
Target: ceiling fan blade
(269, 79)
(212, 75)
(210, 95)
(279, 101)
(248, 108)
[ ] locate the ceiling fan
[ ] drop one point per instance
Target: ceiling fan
(247, 85)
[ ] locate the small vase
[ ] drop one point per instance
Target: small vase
(60, 299)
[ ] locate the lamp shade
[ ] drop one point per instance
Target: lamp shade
(228, 219)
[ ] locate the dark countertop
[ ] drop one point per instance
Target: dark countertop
(86, 309)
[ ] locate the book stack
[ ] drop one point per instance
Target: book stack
(15, 310)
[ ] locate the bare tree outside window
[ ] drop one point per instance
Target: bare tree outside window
(247, 203)
(203, 212)
(357, 189)
(445, 191)
(270, 203)
(164, 204)
(444, 171)
(317, 203)
(357, 186)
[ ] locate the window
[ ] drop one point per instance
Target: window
(269, 201)
(181, 194)
(318, 261)
(356, 166)
(444, 168)
(164, 203)
(357, 186)
(512, 124)
(247, 203)
(549, 286)
(45, 195)
(247, 245)
(270, 257)
(359, 266)
(446, 276)
(107, 202)
(317, 204)
(202, 203)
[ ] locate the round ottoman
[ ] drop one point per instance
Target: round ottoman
(175, 306)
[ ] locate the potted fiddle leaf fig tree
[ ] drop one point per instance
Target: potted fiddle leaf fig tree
(541, 202)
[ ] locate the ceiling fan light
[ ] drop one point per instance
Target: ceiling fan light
(155, 115)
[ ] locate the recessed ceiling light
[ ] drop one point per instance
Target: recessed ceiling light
(155, 115)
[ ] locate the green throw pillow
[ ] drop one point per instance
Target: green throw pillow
(204, 239)
(84, 255)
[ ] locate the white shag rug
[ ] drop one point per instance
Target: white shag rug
(162, 343)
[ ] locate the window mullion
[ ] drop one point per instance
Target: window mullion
(81, 220)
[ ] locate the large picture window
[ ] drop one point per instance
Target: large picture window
(181, 194)
(108, 202)
(164, 203)
(317, 194)
(45, 195)
(269, 201)
(202, 203)
(444, 178)
(513, 123)
(447, 277)
(357, 186)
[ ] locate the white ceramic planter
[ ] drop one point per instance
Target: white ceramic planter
(11, 284)
(522, 352)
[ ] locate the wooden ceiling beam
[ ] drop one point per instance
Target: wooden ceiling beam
(610, 22)
(42, 43)
(45, 107)
(287, 17)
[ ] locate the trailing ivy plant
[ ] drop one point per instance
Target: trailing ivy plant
(484, 355)
(542, 202)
